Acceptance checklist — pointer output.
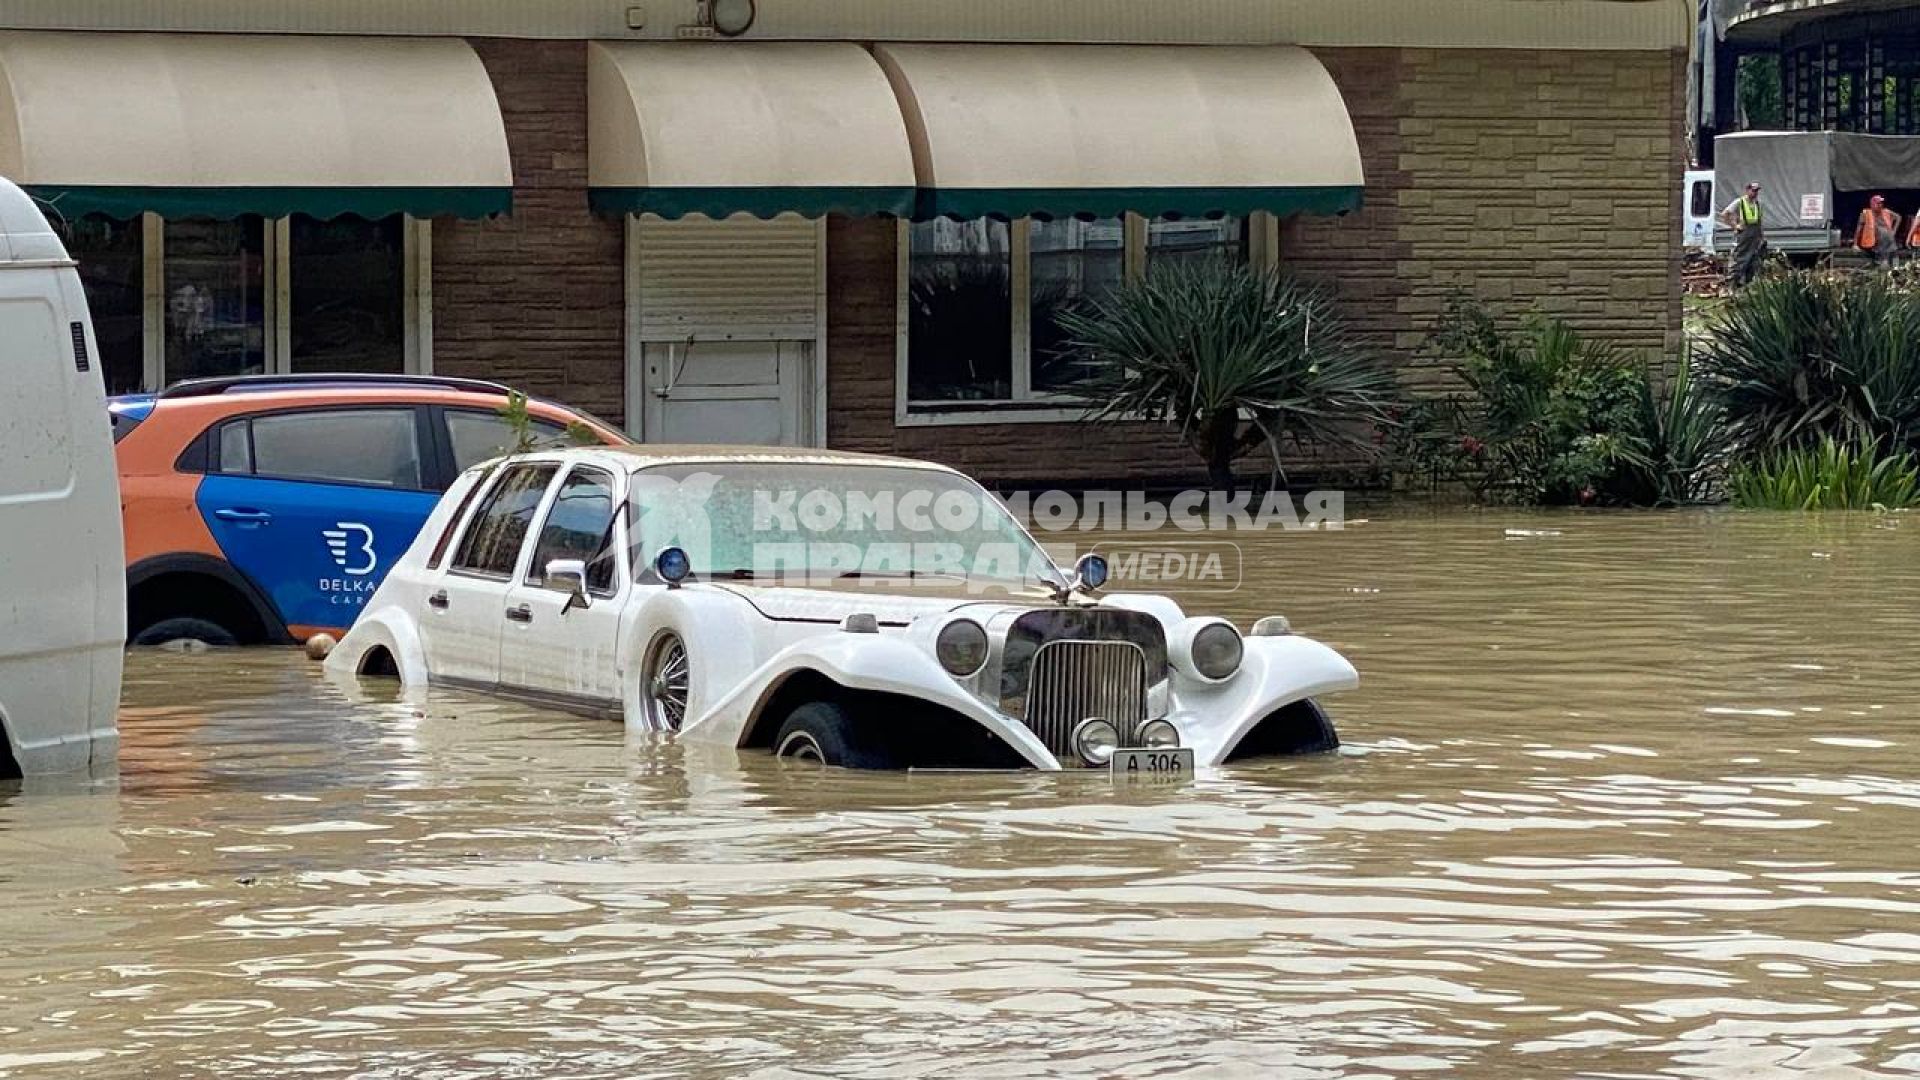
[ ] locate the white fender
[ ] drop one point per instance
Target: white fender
(390, 628)
(889, 663)
(1275, 672)
(708, 623)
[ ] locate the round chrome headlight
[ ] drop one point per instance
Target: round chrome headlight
(961, 647)
(1217, 650)
(1159, 735)
(1095, 740)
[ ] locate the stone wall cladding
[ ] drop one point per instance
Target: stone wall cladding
(536, 299)
(1540, 182)
(1359, 255)
(1533, 181)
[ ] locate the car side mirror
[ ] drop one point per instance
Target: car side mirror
(569, 576)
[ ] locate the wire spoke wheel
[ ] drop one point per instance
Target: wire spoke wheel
(668, 677)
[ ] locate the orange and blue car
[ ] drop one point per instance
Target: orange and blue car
(267, 508)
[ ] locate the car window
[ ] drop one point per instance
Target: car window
(1702, 198)
(477, 436)
(453, 523)
(500, 526)
(379, 447)
(580, 526)
(236, 450)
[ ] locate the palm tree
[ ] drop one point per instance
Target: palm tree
(1236, 357)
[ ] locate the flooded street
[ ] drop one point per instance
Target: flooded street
(1624, 795)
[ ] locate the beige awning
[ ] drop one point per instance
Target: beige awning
(1053, 130)
(225, 124)
(762, 128)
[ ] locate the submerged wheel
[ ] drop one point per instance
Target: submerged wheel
(826, 733)
(185, 629)
(667, 678)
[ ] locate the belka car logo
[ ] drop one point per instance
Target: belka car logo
(351, 542)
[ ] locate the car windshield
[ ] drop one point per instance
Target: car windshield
(775, 521)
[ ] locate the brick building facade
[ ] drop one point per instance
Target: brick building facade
(1534, 170)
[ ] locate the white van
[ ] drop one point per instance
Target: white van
(63, 610)
(1698, 206)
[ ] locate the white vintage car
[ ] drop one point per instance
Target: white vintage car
(863, 611)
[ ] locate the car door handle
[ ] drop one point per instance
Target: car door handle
(438, 600)
(523, 613)
(243, 517)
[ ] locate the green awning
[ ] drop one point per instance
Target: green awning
(1098, 130)
(761, 202)
(219, 125)
(967, 203)
(761, 128)
(74, 201)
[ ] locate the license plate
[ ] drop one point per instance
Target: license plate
(1143, 764)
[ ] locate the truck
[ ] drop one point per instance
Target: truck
(1813, 185)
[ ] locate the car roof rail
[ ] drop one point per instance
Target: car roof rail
(188, 388)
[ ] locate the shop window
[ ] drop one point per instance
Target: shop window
(960, 310)
(984, 300)
(1072, 263)
(216, 300)
(194, 298)
(347, 294)
(110, 254)
(1196, 239)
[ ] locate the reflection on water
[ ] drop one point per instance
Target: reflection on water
(1624, 795)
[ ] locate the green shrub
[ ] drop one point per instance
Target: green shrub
(1830, 476)
(1549, 416)
(1685, 441)
(1802, 357)
(1237, 357)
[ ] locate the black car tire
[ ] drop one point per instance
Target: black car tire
(826, 732)
(185, 628)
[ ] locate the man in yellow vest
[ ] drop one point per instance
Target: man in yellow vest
(1878, 232)
(1749, 232)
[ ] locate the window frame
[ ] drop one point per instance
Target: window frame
(443, 546)
(277, 283)
(479, 512)
(422, 441)
(1027, 405)
(616, 524)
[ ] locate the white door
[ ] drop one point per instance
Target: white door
(742, 392)
(467, 606)
(726, 329)
(548, 647)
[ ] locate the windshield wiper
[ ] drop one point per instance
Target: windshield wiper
(879, 574)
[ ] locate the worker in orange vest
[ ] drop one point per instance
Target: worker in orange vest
(1878, 235)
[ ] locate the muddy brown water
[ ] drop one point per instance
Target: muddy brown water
(1628, 795)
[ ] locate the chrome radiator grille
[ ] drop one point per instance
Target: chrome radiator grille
(1072, 680)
